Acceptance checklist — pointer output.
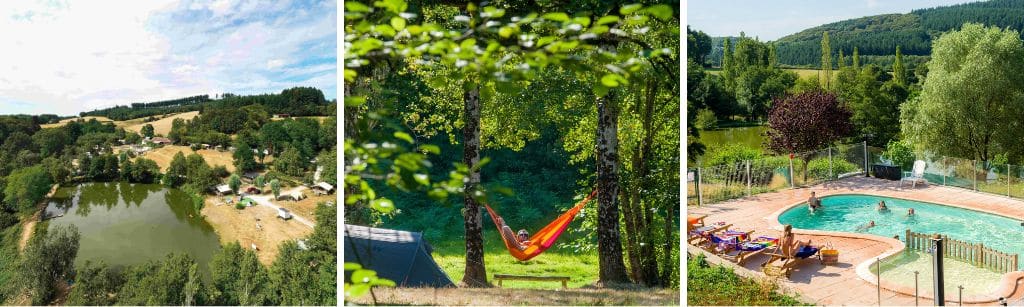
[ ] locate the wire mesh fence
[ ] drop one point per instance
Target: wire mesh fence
(710, 184)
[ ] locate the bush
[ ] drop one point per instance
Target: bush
(731, 154)
(819, 168)
(239, 206)
(900, 153)
(706, 120)
(717, 285)
(7, 219)
(220, 171)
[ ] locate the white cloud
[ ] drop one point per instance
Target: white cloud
(85, 55)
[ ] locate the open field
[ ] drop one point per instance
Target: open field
(503, 296)
(161, 126)
(163, 156)
(240, 225)
(65, 121)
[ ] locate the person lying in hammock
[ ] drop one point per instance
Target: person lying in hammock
(521, 241)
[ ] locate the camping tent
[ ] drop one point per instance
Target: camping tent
(401, 256)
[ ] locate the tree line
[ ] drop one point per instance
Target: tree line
(297, 101)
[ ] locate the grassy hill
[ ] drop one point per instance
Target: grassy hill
(876, 36)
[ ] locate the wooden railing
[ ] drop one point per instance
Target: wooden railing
(974, 253)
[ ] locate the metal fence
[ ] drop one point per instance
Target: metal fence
(710, 184)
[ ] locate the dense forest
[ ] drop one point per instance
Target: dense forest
(876, 37)
(297, 101)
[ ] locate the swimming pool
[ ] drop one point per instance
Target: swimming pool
(846, 213)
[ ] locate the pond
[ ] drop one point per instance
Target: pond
(752, 137)
(128, 224)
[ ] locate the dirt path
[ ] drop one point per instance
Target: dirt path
(26, 231)
(265, 201)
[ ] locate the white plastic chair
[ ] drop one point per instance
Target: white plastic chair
(914, 175)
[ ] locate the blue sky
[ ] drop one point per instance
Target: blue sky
(770, 20)
(67, 57)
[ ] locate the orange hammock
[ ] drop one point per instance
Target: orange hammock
(543, 239)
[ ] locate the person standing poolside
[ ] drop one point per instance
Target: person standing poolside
(813, 202)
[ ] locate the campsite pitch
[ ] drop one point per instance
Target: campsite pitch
(240, 225)
(505, 296)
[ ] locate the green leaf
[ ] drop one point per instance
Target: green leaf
(505, 32)
(582, 20)
(599, 29)
(403, 136)
(398, 23)
(607, 19)
(415, 29)
(357, 7)
(556, 16)
(629, 8)
(600, 90)
(382, 205)
(393, 6)
(354, 101)
(430, 148)
(545, 40)
(363, 276)
(610, 80)
(352, 266)
(437, 194)
(350, 75)
(468, 44)
(423, 179)
(384, 282)
(660, 11)
(356, 290)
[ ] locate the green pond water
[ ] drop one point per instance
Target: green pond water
(747, 136)
(128, 224)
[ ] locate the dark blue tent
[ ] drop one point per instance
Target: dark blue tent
(401, 256)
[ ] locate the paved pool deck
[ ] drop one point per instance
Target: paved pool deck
(842, 284)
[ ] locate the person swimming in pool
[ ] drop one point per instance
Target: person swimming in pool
(882, 207)
(813, 202)
(866, 226)
(910, 212)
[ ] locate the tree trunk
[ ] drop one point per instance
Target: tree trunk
(629, 216)
(609, 244)
(476, 273)
(668, 266)
(648, 259)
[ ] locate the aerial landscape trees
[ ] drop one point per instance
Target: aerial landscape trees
(77, 151)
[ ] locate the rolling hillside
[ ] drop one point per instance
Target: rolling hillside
(876, 36)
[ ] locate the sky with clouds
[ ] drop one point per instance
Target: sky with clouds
(64, 57)
(770, 20)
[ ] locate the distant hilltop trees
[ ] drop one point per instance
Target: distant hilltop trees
(296, 101)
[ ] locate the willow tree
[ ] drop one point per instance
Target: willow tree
(973, 98)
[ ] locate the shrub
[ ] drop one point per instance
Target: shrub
(220, 171)
(731, 154)
(718, 285)
(239, 206)
(706, 120)
(900, 153)
(819, 168)
(7, 219)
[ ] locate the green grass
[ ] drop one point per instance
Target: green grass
(581, 267)
(717, 285)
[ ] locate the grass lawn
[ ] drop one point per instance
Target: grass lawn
(581, 267)
(717, 285)
(8, 262)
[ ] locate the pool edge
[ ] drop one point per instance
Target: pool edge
(1007, 286)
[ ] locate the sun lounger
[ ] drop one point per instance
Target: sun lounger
(699, 235)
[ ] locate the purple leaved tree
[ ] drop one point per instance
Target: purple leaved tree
(805, 122)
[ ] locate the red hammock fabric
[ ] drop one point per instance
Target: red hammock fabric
(543, 239)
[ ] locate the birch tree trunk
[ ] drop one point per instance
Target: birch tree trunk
(609, 241)
(475, 273)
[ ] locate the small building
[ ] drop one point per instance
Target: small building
(223, 189)
(323, 188)
(250, 175)
(205, 146)
(282, 115)
(293, 196)
(161, 140)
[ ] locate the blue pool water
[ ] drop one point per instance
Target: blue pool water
(847, 212)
